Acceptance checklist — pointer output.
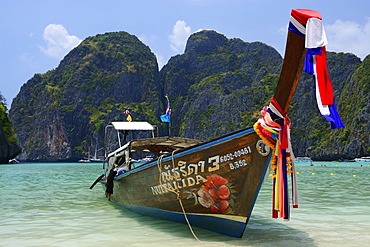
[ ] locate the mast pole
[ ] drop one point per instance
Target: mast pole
(169, 129)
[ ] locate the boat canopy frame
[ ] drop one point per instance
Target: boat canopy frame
(162, 145)
(127, 126)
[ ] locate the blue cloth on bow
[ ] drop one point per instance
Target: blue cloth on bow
(334, 118)
(295, 30)
(308, 61)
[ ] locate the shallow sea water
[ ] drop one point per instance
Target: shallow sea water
(50, 204)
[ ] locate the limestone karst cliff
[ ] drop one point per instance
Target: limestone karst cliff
(61, 114)
(216, 86)
(9, 148)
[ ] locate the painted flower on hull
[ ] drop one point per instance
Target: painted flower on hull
(205, 199)
(215, 194)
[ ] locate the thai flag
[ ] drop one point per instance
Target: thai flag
(166, 118)
(315, 63)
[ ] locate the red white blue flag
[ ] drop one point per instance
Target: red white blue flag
(166, 118)
(308, 24)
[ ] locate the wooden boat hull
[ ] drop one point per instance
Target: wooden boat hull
(215, 184)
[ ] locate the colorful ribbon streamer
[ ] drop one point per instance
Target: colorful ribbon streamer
(274, 126)
(277, 136)
(309, 25)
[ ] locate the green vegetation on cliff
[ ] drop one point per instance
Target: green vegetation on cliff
(216, 86)
(62, 113)
(219, 85)
(9, 148)
(6, 127)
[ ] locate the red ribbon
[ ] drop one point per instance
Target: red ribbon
(323, 79)
(284, 140)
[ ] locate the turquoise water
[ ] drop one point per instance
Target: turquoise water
(50, 204)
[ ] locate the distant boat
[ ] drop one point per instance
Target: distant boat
(84, 160)
(97, 160)
(88, 160)
(346, 160)
(302, 159)
(214, 184)
(13, 161)
(363, 159)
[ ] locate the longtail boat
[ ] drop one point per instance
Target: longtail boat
(214, 184)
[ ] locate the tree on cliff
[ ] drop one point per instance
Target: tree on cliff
(8, 142)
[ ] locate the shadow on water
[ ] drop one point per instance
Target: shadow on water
(259, 232)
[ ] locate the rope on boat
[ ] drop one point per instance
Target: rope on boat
(177, 192)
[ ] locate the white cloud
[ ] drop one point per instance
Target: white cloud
(58, 41)
(349, 36)
(179, 36)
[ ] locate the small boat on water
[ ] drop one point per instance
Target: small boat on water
(303, 159)
(84, 160)
(14, 161)
(363, 159)
(88, 160)
(96, 160)
(214, 184)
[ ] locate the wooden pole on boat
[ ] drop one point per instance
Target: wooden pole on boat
(289, 77)
(291, 70)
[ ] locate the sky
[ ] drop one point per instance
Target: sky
(36, 35)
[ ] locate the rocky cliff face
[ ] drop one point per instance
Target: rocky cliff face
(217, 86)
(311, 134)
(220, 85)
(355, 108)
(9, 148)
(61, 115)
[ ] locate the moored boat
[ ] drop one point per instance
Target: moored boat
(214, 184)
(363, 159)
(84, 160)
(14, 161)
(303, 159)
